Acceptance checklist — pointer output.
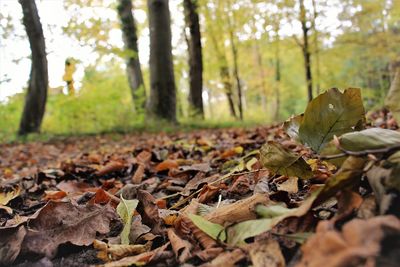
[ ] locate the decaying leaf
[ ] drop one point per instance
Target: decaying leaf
(357, 244)
(347, 176)
(238, 233)
(239, 211)
(283, 161)
(112, 252)
(266, 253)
(61, 222)
(10, 243)
(181, 247)
(227, 259)
(125, 210)
(331, 113)
(9, 193)
(292, 126)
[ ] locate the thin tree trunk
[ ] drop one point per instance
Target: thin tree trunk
(195, 59)
(306, 50)
(162, 102)
(35, 101)
(316, 47)
(235, 65)
(133, 69)
(223, 68)
(277, 76)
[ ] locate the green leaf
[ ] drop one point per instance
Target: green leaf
(125, 210)
(372, 138)
(271, 211)
(283, 161)
(214, 230)
(298, 237)
(238, 233)
(331, 113)
(292, 126)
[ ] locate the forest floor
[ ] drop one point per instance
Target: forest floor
(198, 198)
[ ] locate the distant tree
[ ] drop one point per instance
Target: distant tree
(133, 69)
(162, 102)
(233, 44)
(195, 58)
(306, 49)
(35, 100)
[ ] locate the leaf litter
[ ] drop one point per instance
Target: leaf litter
(322, 189)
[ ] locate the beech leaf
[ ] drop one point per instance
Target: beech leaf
(331, 113)
(283, 161)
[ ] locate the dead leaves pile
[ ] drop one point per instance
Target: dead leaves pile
(316, 194)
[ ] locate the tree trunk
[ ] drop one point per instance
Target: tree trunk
(277, 76)
(306, 50)
(316, 47)
(162, 102)
(235, 67)
(195, 59)
(133, 69)
(35, 101)
(223, 68)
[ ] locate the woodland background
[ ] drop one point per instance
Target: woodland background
(233, 62)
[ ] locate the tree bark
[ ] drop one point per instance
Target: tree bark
(235, 66)
(316, 47)
(35, 101)
(306, 50)
(133, 69)
(223, 69)
(277, 75)
(195, 59)
(162, 102)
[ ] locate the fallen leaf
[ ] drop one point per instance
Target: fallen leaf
(125, 210)
(292, 126)
(61, 222)
(372, 138)
(167, 165)
(214, 230)
(238, 233)
(9, 193)
(54, 195)
(239, 211)
(227, 259)
(266, 253)
(331, 113)
(112, 166)
(11, 239)
(181, 247)
(290, 185)
(280, 160)
(111, 252)
(357, 244)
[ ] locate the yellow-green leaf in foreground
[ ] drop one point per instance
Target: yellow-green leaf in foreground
(214, 230)
(125, 210)
(238, 233)
(283, 161)
(331, 113)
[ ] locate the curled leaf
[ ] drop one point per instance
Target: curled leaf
(125, 210)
